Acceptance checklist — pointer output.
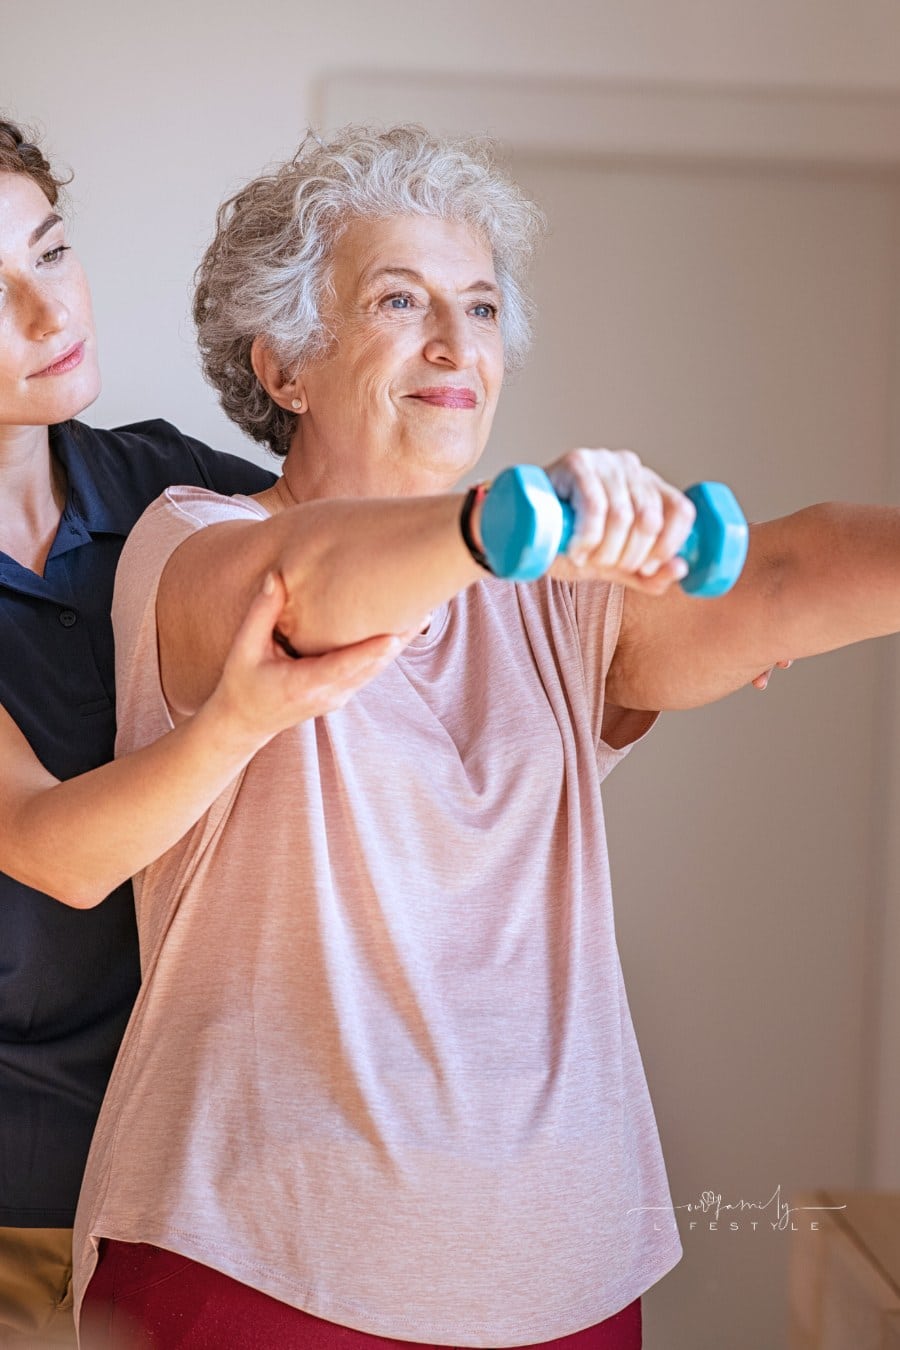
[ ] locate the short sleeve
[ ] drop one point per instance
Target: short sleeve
(598, 618)
(142, 712)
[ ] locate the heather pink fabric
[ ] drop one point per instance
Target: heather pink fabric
(382, 1066)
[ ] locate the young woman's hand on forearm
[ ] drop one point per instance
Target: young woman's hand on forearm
(77, 840)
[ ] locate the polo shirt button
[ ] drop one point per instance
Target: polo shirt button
(68, 617)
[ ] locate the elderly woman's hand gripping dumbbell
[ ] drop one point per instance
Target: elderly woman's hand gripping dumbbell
(526, 524)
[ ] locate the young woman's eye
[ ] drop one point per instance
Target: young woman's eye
(54, 255)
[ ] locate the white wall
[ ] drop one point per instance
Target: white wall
(160, 109)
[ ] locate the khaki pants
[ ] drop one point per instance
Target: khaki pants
(36, 1288)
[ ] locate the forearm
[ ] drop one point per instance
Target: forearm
(352, 568)
(357, 568)
(79, 839)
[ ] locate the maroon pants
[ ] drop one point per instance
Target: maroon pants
(144, 1298)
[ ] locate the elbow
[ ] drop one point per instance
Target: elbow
(84, 899)
(77, 892)
(74, 893)
(35, 855)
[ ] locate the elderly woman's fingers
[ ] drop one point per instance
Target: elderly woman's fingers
(622, 533)
(596, 484)
(678, 514)
(628, 520)
(648, 522)
(576, 484)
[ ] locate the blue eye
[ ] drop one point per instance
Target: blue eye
(484, 310)
(399, 301)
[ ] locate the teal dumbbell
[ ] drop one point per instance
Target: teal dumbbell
(525, 525)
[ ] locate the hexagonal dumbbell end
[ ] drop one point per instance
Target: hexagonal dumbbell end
(716, 548)
(524, 525)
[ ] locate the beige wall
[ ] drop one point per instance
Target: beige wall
(768, 1017)
(160, 107)
(735, 321)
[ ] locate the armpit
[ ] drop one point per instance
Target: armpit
(622, 727)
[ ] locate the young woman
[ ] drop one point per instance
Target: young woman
(74, 827)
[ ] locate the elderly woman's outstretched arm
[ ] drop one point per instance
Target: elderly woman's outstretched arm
(357, 567)
(360, 567)
(819, 579)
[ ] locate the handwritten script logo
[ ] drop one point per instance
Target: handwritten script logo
(774, 1213)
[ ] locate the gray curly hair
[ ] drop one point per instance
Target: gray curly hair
(268, 268)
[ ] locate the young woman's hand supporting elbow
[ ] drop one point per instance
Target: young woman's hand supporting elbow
(79, 839)
(353, 569)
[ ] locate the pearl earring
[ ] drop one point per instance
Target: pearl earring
(297, 404)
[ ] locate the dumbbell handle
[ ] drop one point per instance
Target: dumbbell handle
(524, 525)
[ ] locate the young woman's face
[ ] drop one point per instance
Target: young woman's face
(48, 352)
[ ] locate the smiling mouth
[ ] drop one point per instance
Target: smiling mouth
(446, 398)
(68, 361)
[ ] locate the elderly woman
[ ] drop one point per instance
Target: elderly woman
(381, 1082)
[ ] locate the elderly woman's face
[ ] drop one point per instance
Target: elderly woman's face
(407, 393)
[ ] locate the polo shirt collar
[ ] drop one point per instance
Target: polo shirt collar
(87, 511)
(84, 514)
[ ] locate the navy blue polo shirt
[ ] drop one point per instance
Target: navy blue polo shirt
(68, 977)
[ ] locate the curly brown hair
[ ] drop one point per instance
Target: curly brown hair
(20, 154)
